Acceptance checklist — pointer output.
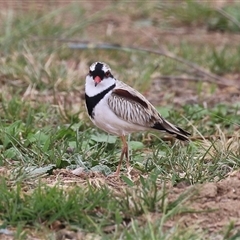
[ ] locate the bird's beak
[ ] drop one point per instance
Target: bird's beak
(97, 80)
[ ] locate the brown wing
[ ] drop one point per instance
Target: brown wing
(133, 107)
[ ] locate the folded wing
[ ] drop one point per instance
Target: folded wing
(133, 107)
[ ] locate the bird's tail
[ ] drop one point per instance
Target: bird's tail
(168, 127)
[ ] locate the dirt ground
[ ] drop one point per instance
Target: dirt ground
(215, 204)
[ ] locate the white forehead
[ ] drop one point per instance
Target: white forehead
(105, 67)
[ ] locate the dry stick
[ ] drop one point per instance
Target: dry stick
(220, 80)
(75, 44)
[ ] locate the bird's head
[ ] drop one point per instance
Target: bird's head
(98, 79)
(100, 71)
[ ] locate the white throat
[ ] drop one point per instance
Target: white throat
(92, 90)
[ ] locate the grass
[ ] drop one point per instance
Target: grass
(99, 209)
(44, 127)
(194, 14)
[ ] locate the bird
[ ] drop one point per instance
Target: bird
(119, 109)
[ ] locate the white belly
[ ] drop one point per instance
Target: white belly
(107, 120)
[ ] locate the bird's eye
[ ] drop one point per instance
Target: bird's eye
(107, 74)
(90, 73)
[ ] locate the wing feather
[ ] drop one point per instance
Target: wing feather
(132, 107)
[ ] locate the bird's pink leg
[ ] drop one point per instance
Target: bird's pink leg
(124, 152)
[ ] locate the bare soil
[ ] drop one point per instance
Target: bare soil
(217, 204)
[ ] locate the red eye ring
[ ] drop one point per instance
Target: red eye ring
(107, 74)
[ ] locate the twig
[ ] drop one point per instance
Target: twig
(75, 44)
(159, 52)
